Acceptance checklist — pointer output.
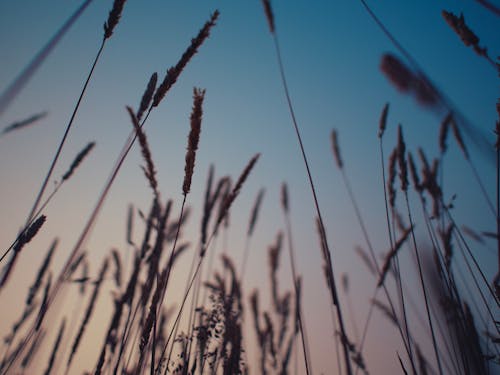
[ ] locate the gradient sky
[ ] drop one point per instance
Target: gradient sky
(331, 52)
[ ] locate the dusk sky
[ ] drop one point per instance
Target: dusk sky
(331, 53)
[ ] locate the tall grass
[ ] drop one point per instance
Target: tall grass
(141, 319)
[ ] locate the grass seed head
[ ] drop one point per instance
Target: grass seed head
(193, 138)
(269, 14)
(383, 120)
(113, 18)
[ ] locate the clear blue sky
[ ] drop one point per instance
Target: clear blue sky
(331, 52)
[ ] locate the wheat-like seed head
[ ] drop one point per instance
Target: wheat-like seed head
(174, 72)
(467, 36)
(236, 190)
(383, 120)
(255, 212)
(147, 96)
(23, 123)
(284, 197)
(403, 170)
(113, 18)
(78, 160)
(336, 149)
(193, 138)
(414, 174)
(407, 81)
(269, 14)
(391, 179)
(149, 170)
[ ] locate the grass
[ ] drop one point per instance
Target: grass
(140, 308)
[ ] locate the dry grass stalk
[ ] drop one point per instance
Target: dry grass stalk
(33, 349)
(44, 305)
(85, 275)
(151, 317)
(41, 272)
(422, 362)
(446, 237)
(52, 358)
(113, 18)
(490, 235)
(208, 203)
(228, 201)
(174, 72)
(397, 72)
(153, 215)
(430, 181)
(414, 174)
(130, 225)
(273, 258)
(147, 96)
(390, 256)
(406, 81)
(260, 332)
(154, 258)
(458, 137)
(40, 58)
(255, 212)
(23, 123)
(386, 311)
(326, 260)
(10, 357)
(284, 198)
(474, 350)
(392, 177)
(472, 234)
(443, 132)
(76, 263)
(366, 259)
(193, 138)
(383, 120)
(78, 160)
(31, 232)
(89, 310)
(149, 170)
(344, 281)
(129, 293)
(118, 267)
(110, 339)
(269, 14)
(336, 149)
(28, 310)
(467, 36)
(25, 237)
(226, 189)
(403, 170)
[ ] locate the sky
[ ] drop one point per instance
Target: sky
(331, 52)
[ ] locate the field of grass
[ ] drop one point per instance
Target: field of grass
(309, 198)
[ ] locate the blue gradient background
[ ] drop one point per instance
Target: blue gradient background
(331, 52)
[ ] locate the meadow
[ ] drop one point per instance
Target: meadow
(249, 187)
